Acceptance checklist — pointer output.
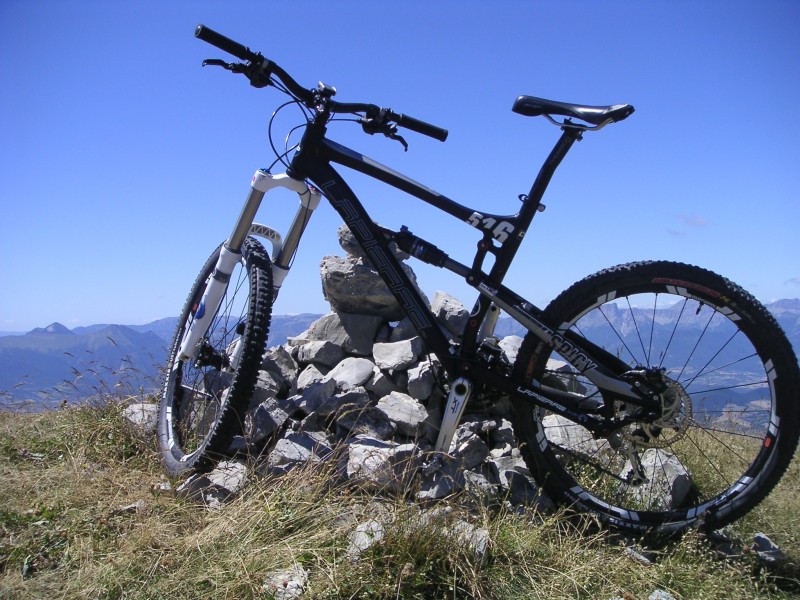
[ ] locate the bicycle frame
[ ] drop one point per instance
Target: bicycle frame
(313, 163)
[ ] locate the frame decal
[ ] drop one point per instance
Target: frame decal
(501, 230)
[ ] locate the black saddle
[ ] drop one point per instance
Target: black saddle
(531, 106)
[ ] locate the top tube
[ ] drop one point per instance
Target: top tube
(347, 157)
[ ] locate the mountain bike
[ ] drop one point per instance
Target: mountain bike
(644, 375)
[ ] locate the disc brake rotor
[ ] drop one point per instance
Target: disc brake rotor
(676, 416)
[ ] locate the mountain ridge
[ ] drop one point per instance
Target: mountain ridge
(49, 364)
(53, 328)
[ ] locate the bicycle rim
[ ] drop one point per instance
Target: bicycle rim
(205, 399)
(728, 427)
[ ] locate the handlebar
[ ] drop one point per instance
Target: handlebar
(228, 45)
(422, 127)
(261, 69)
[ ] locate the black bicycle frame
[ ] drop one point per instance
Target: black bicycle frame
(313, 162)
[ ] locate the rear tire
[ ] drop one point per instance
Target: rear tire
(204, 401)
(730, 419)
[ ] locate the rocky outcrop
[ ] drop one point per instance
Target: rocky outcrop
(352, 285)
(355, 390)
(359, 387)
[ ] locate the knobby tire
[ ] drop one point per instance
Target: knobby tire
(204, 403)
(730, 422)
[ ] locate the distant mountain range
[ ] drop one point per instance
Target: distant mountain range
(48, 365)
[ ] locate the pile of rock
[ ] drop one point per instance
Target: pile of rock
(362, 387)
(361, 391)
(376, 405)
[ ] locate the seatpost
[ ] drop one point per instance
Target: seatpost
(568, 137)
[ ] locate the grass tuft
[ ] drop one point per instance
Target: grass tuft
(81, 517)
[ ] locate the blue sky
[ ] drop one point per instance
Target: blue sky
(124, 163)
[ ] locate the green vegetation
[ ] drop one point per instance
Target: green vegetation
(82, 516)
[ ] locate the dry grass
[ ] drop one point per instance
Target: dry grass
(80, 518)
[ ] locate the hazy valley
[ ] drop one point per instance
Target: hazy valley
(47, 366)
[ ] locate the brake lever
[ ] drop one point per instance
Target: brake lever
(216, 62)
(373, 126)
(393, 136)
(253, 72)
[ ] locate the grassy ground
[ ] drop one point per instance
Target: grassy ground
(82, 516)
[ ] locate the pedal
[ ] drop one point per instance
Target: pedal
(434, 465)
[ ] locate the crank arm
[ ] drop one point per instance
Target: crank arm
(460, 391)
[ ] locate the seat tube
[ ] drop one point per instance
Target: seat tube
(568, 137)
(532, 202)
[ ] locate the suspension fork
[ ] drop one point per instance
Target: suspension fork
(231, 252)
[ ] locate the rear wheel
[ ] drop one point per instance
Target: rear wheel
(729, 405)
(205, 400)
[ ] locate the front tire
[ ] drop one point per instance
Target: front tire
(205, 400)
(729, 423)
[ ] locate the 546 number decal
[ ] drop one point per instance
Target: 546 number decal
(500, 229)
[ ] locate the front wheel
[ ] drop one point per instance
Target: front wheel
(205, 399)
(728, 423)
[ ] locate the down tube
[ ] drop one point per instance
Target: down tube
(377, 249)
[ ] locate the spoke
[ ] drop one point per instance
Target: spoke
(699, 339)
(710, 360)
(589, 459)
(573, 378)
(709, 461)
(711, 432)
(761, 383)
(224, 315)
(672, 334)
(726, 366)
(660, 466)
(638, 333)
(742, 411)
(619, 337)
(740, 434)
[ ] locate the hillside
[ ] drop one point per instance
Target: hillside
(87, 513)
(49, 365)
(53, 364)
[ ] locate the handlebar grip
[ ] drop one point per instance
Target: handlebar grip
(223, 43)
(422, 127)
